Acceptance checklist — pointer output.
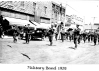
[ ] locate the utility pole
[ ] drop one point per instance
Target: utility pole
(94, 18)
(61, 12)
(65, 15)
(93, 22)
(73, 10)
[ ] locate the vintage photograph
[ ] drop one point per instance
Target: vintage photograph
(49, 32)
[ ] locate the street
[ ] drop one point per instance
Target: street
(39, 52)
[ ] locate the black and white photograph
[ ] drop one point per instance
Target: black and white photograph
(49, 32)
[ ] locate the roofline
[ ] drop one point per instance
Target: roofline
(57, 4)
(5, 9)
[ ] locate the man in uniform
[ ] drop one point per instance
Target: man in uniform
(14, 34)
(92, 36)
(95, 37)
(56, 32)
(76, 35)
(27, 33)
(62, 34)
(51, 32)
(1, 30)
(84, 36)
(70, 35)
(98, 38)
(89, 36)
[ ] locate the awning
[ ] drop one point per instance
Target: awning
(37, 25)
(18, 22)
(34, 23)
(41, 25)
(45, 26)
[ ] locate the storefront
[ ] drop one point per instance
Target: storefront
(45, 20)
(19, 23)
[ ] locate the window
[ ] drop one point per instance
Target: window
(45, 8)
(53, 8)
(9, 1)
(64, 12)
(22, 3)
(34, 7)
(58, 10)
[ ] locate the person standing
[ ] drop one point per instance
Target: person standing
(0, 31)
(79, 38)
(98, 38)
(51, 32)
(70, 35)
(27, 34)
(62, 34)
(14, 34)
(92, 36)
(95, 37)
(84, 36)
(76, 35)
(89, 36)
(56, 32)
(21, 33)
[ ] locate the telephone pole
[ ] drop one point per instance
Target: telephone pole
(93, 22)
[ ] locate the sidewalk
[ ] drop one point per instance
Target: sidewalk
(8, 37)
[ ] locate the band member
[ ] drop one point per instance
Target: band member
(21, 34)
(98, 38)
(79, 38)
(51, 32)
(62, 34)
(14, 34)
(27, 34)
(56, 32)
(89, 36)
(1, 30)
(70, 35)
(84, 36)
(95, 38)
(92, 37)
(76, 35)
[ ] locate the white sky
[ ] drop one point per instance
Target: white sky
(88, 9)
(85, 8)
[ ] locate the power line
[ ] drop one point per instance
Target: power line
(71, 7)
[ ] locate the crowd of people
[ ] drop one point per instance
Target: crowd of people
(74, 34)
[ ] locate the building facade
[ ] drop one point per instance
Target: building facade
(58, 12)
(91, 26)
(74, 19)
(17, 9)
(40, 11)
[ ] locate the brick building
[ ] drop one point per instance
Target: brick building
(47, 12)
(58, 12)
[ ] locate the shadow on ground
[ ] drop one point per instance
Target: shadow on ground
(71, 47)
(50, 45)
(34, 39)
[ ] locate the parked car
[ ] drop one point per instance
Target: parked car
(38, 34)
